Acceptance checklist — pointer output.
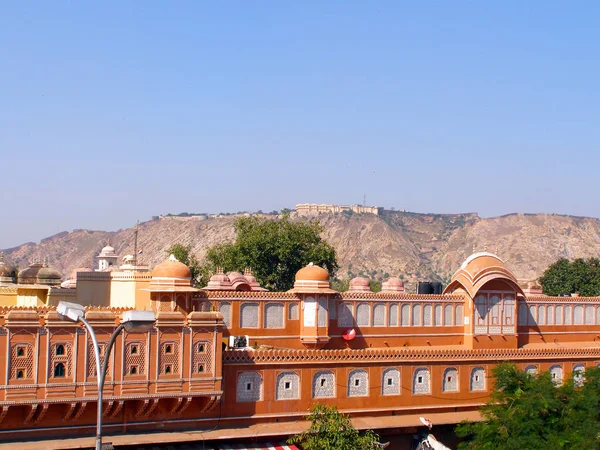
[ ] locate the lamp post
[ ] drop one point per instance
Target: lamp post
(132, 321)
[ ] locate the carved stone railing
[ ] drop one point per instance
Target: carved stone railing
(401, 354)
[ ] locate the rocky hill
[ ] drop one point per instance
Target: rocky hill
(412, 246)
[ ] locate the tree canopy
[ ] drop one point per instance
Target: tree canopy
(566, 276)
(332, 430)
(183, 253)
(275, 249)
(529, 411)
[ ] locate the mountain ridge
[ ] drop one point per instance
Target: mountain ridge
(414, 246)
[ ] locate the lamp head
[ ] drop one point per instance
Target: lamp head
(70, 311)
(139, 321)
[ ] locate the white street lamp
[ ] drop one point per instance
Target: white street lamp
(132, 321)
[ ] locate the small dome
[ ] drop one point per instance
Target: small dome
(312, 273)
(6, 270)
(359, 284)
(219, 278)
(234, 276)
(171, 268)
(29, 275)
(107, 252)
(395, 282)
(392, 285)
(47, 273)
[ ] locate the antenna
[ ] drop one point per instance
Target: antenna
(365, 200)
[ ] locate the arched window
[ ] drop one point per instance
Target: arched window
(567, 316)
(549, 315)
(531, 370)
(556, 373)
(59, 370)
(589, 315)
(288, 386)
(532, 315)
(345, 315)
(379, 315)
(416, 315)
(437, 315)
(459, 315)
(323, 385)
(578, 315)
(363, 315)
(274, 315)
(322, 312)
(225, 309)
(558, 315)
(541, 315)
(60, 350)
(480, 310)
(249, 315)
(405, 315)
(450, 382)
(523, 314)
(358, 383)
(293, 311)
(448, 316)
(393, 321)
(421, 382)
(578, 375)
(390, 381)
(478, 379)
(249, 387)
(427, 313)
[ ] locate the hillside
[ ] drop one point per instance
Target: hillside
(413, 246)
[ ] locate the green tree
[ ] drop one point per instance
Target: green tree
(530, 411)
(375, 285)
(332, 430)
(579, 275)
(275, 249)
(340, 285)
(183, 253)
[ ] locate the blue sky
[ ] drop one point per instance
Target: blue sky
(115, 111)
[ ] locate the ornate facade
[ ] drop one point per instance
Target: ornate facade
(240, 355)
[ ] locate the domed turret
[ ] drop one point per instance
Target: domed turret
(392, 285)
(359, 284)
(38, 273)
(8, 273)
(107, 258)
(312, 279)
(172, 269)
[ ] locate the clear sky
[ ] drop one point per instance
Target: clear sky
(114, 111)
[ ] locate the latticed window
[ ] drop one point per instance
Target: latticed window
(390, 381)
(437, 314)
(274, 315)
(61, 353)
(416, 315)
(393, 321)
(345, 315)
(293, 311)
(363, 315)
(249, 387)
(450, 381)
(323, 385)
(358, 383)
(249, 315)
(225, 309)
(202, 357)
(421, 381)
(21, 364)
(448, 316)
(405, 315)
(379, 315)
(92, 359)
(478, 379)
(427, 315)
(288, 386)
(169, 358)
(135, 358)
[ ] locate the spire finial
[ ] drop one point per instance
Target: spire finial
(485, 247)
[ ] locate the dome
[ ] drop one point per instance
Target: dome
(172, 268)
(479, 269)
(392, 285)
(48, 275)
(219, 278)
(312, 273)
(107, 252)
(8, 273)
(29, 275)
(234, 276)
(359, 284)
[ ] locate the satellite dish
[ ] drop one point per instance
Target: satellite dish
(349, 334)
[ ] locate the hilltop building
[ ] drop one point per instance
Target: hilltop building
(234, 355)
(308, 209)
